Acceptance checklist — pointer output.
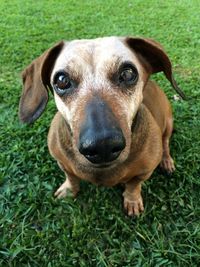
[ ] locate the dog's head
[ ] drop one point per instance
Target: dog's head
(98, 88)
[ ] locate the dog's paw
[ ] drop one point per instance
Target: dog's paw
(167, 164)
(65, 190)
(134, 206)
(62, 191)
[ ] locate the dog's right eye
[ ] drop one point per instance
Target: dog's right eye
(62, 83)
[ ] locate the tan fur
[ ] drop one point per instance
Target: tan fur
(144, 114)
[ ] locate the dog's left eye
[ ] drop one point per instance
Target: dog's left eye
(62, 83)
(128, 75)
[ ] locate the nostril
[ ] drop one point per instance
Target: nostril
(91, 153)
(88, 149)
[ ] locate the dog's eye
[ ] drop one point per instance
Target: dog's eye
(128, 75)
(62, 83)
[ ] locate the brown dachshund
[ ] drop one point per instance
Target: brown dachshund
(113, 124)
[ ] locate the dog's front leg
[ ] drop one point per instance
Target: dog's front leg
(71, 184)
(133, 203)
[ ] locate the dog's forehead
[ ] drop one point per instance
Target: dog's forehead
(100, 47)
(93, 52)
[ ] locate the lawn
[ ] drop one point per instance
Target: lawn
(92, 230)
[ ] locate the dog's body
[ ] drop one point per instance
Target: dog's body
(113, 125)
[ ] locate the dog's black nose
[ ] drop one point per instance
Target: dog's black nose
(103, 146)
(101, 140)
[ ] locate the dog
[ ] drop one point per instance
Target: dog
(113, 123)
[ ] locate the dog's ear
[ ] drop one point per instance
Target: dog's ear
(154, 58)
(36, 80)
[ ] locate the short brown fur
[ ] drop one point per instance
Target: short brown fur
(147, 134)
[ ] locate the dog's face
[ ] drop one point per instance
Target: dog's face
(98, 88)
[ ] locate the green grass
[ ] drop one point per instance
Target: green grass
(92, 230)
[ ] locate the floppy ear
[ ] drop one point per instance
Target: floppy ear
(36, 80)
(154, 58)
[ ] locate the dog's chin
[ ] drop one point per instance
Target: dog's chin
(106, 173)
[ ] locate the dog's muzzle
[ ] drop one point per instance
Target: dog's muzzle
(101, 139)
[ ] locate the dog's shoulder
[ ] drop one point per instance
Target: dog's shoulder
(59, 134)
